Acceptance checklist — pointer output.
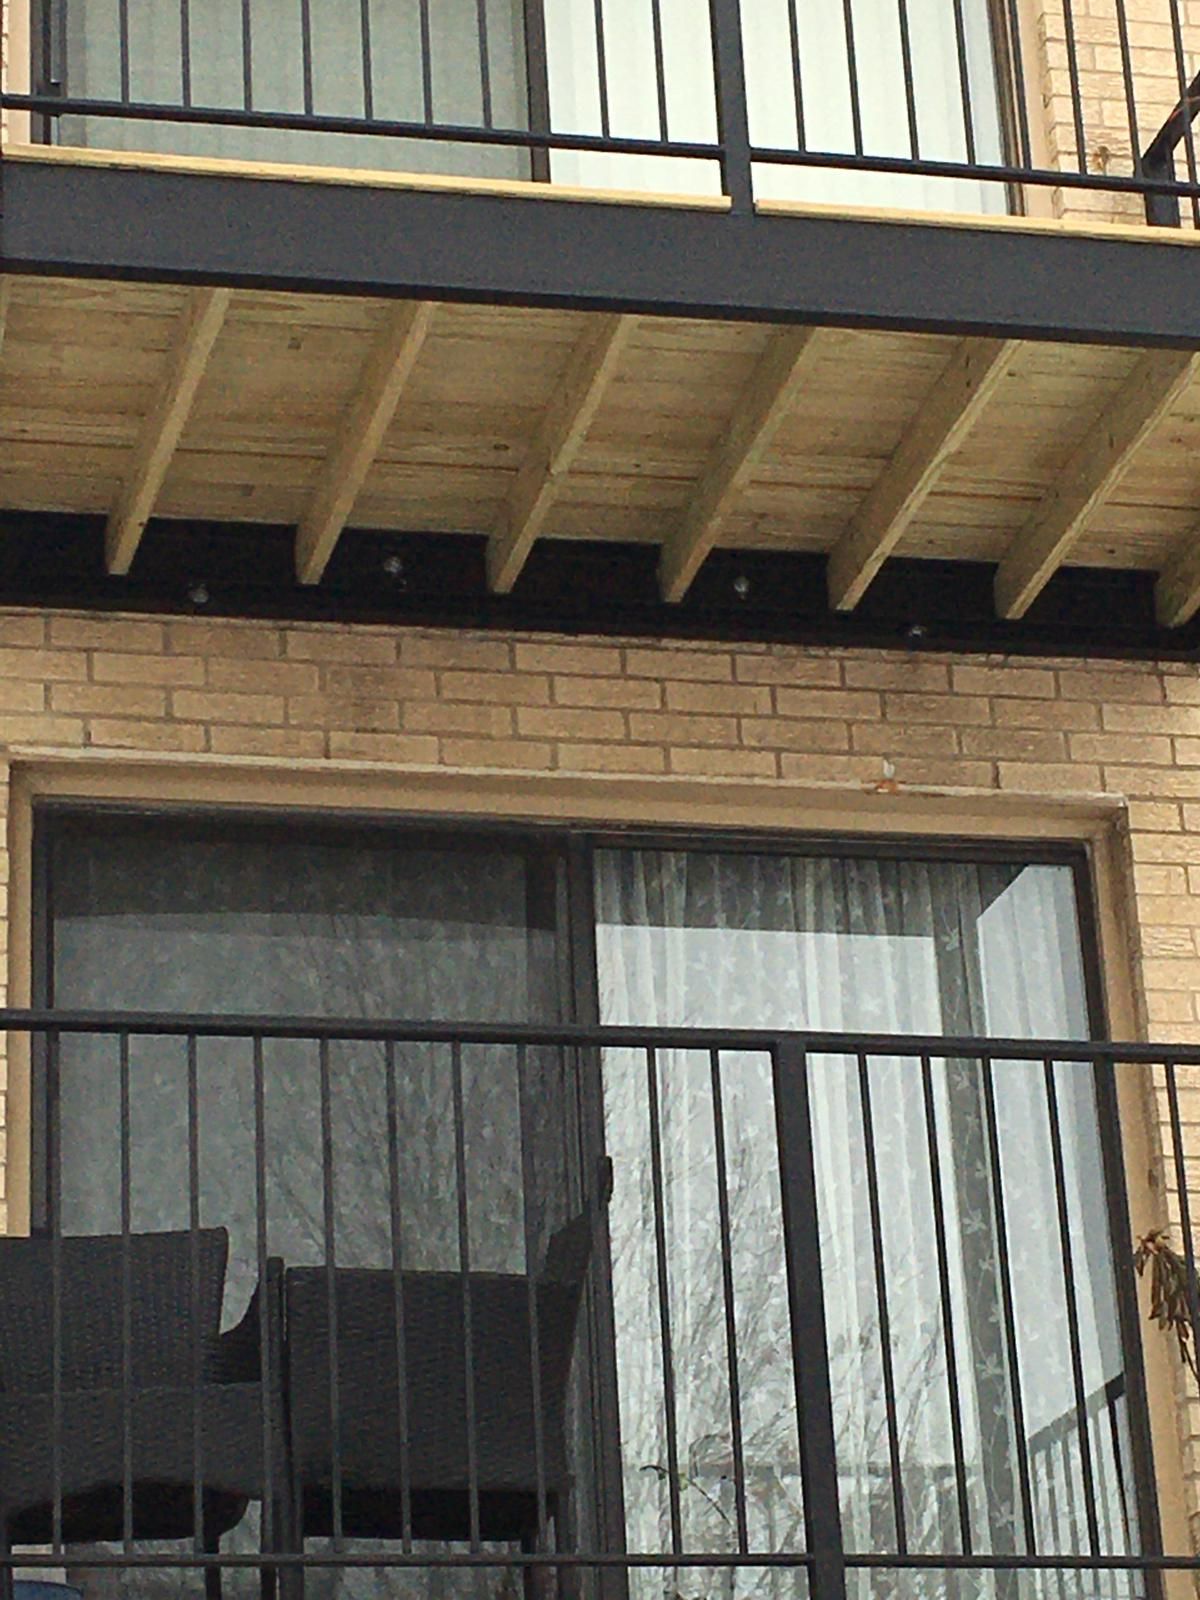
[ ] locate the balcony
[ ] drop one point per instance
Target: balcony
(932, 112)
(669, 1350)
(475, 314)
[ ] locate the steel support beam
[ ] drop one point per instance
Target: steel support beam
(1003, 281)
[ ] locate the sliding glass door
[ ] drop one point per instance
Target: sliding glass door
(975, 1357)
(886, 79)
(460, 63)
(892, 80)
(949, 1333)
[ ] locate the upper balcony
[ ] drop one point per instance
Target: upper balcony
(664, 121)
(971, 223)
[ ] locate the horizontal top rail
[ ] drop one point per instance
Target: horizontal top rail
(742, 92)
(401, 1030)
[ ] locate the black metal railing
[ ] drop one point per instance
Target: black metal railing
(599, 1306)
(850, 105)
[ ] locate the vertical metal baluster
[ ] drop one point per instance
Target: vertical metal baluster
(602, 68)
(1056, 1524)
(1189, 132)
(329, 1229)
(306, 54)
(126, 1298)
(910, 97)
(485, 62)
(1004, 1269)
(1064, 1239)
(1076, 95)
(1024, 143)
(852, 71)
(464, 1266)
(247, 57)
(797, 75)
(964, 79)
(54, 1217)
(368, 66)
(1135, 138)
(947, 1303)
(1114, 1428)
(426, 64)
(537, 82)
(733, 104)
(881, 1300)
(185, 50)
(123, 45)
(806, 1308)
(44, 80)
(727, 1293)
(1185, 1209)
(532, 1279)
(193, 1160)
(1072, 1508)
(1107, 1529)
(664, 1306)
(393, 1143)
(270, 1466)
(660, 69)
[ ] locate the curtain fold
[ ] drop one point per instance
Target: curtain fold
(941, 948)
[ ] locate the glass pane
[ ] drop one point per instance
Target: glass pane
(358, 1157)
(852, 98)
(844, 68)
(941, 948)
(241, 52)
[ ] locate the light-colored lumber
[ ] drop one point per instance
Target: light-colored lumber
(1177, 592)
(1091, 475)
(777, 379)
(196, 334)
(362, 177)
(950, 411)
(384, 376)
(559, 438)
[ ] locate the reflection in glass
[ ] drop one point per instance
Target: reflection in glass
(949, 949)
(309, 925)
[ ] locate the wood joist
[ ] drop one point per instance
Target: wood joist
(352, 452)
(524, 425)
(187, 360)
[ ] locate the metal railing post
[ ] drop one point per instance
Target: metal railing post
(806, 1303)
(733, 110)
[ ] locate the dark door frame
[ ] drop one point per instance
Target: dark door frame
(573, 847)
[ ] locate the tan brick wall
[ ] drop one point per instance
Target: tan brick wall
(1153, 61)
(209, 694)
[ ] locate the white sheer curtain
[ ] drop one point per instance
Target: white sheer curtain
(588, 42)
(860, 44)
(694, 938)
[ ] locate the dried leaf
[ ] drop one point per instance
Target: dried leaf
(1170, 1296)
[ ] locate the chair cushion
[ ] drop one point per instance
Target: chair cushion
(175, 1284)
(215, 1432)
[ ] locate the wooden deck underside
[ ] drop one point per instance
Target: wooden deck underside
(522, 423)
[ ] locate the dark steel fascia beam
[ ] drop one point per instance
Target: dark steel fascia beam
(578, 588)
(333, 238)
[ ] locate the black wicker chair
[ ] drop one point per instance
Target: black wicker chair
(367, 1437)
(150, 1401)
